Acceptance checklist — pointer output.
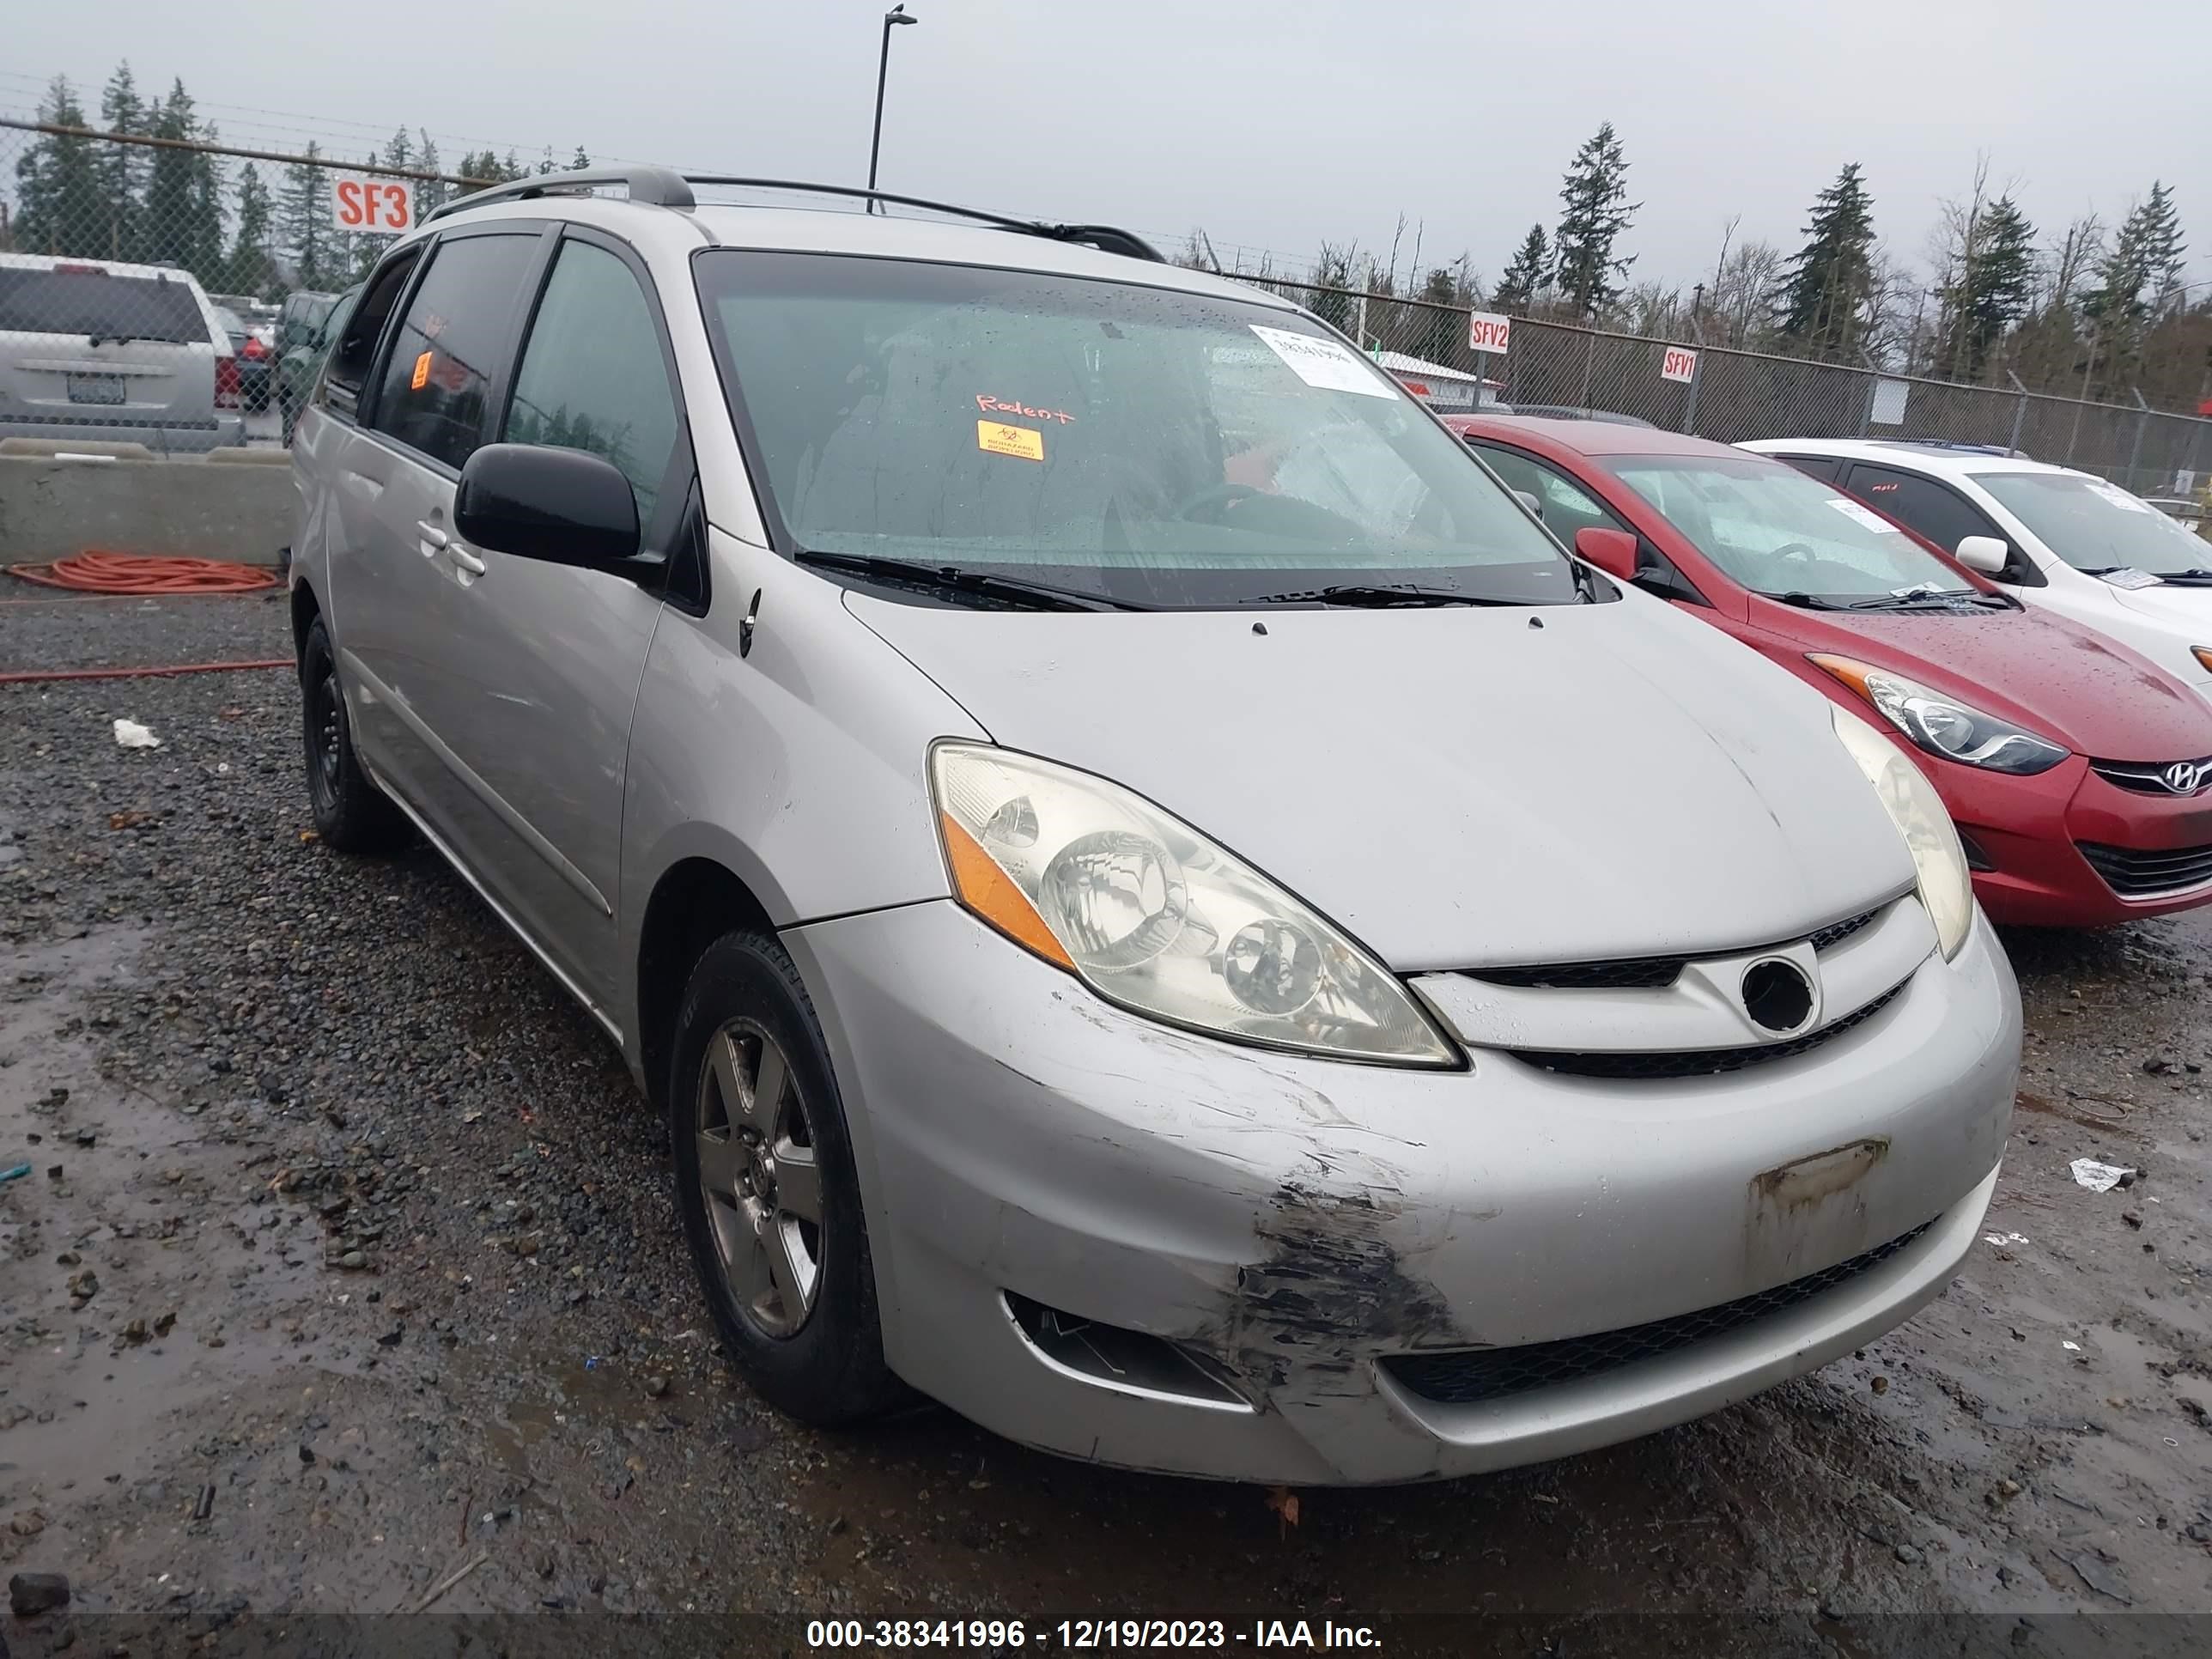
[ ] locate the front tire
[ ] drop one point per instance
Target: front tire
(351, 813)
(765, 1185)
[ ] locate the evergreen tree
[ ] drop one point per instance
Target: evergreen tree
(123, 167)
(429, 193)
(1524, 275)
(304, 230)
(1995, 290)
(250, 268)
(1821, 303)
(184, 212)
(2143, 263)
(60, 206)
(1595, 211)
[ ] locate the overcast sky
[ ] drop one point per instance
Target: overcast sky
(1275, 124)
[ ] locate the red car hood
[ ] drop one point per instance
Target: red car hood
(2051, 675)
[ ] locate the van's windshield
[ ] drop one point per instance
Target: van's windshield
(1141, 445)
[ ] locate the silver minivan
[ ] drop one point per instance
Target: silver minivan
(1160, 907)
(93, 349)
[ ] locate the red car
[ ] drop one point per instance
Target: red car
(2079, 774)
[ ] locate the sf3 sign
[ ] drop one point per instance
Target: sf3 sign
(1488, 332)
(382, 206)
(1676, 364)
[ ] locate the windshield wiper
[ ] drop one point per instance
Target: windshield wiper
(1379, 595)
(2186, 578)
(1807, 601)
(1940, 599)
(985, 584)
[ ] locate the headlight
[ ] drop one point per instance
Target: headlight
(1152, 915)
(1946, 888)
(1944, 727)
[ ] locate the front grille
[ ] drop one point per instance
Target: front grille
(1836, 932)
(2149, 777)
(2133, 874)
(1637, 973)
(1471, 1376)
(1642, 1066)
(1630, 974)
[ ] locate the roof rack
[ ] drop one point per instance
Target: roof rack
(659, 187)
(1107, 238)
(654, 186)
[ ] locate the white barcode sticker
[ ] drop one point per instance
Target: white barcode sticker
(1329, 364)
(1864, 516)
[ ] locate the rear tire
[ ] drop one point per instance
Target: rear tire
(766, 1188)
(351, 813)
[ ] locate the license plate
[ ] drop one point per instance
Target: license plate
(95, 388)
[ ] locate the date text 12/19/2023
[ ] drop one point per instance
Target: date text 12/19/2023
(1001, 1635)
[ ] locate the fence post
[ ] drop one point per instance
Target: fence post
(1589, 360)
(2019, 409)
(2143, 420)
(1697, 373)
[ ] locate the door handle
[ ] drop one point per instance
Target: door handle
(463, 559)
(434, 538)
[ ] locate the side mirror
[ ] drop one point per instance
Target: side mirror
(564, 506)
(1612, 551)
(1987, 554)
(1529, 499)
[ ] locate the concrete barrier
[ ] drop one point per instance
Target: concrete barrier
(74, 500)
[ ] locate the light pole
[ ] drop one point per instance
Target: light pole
(892, 18)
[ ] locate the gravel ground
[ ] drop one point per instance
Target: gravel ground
(348, 1258)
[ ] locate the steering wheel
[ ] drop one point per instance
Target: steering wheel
(1218, 496)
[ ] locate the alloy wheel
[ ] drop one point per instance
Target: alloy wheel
(758, 1177)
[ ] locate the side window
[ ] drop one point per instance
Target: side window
(1921, 504)
(1567, 506)
(451, 345)
(356, 343)
(1826, 468)
(591, 375)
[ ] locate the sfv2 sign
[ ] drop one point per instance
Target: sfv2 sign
(1488, 332)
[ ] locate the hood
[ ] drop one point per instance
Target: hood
(2052, 676)
(2186, 609)
(1457, 787)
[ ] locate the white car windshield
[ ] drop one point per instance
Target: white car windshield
(1778, 532)
(1144, 445)
(2097, 526)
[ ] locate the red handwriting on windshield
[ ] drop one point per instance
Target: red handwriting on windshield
(994, 405)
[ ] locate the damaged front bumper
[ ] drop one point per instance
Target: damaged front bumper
(1126, 1242)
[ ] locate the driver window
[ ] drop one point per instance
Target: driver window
(1568, 506)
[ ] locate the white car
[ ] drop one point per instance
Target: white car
(2059, 539)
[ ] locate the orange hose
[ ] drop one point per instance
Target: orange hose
(131, 572)
(35, 676)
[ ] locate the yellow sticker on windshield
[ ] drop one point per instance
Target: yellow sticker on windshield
(996, 438)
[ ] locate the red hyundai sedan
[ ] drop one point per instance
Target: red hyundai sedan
(2078, 774)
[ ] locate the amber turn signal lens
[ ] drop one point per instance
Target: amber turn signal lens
(983, 887)
(2202, 654)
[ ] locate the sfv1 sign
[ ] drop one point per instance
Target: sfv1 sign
(383, 206)
(1488, 332)
(1676, 364)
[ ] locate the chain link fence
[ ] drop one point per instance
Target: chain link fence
(1731, 395)
(174, 293)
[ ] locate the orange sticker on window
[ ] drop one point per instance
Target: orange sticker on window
(997, 439)
(422, 377)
